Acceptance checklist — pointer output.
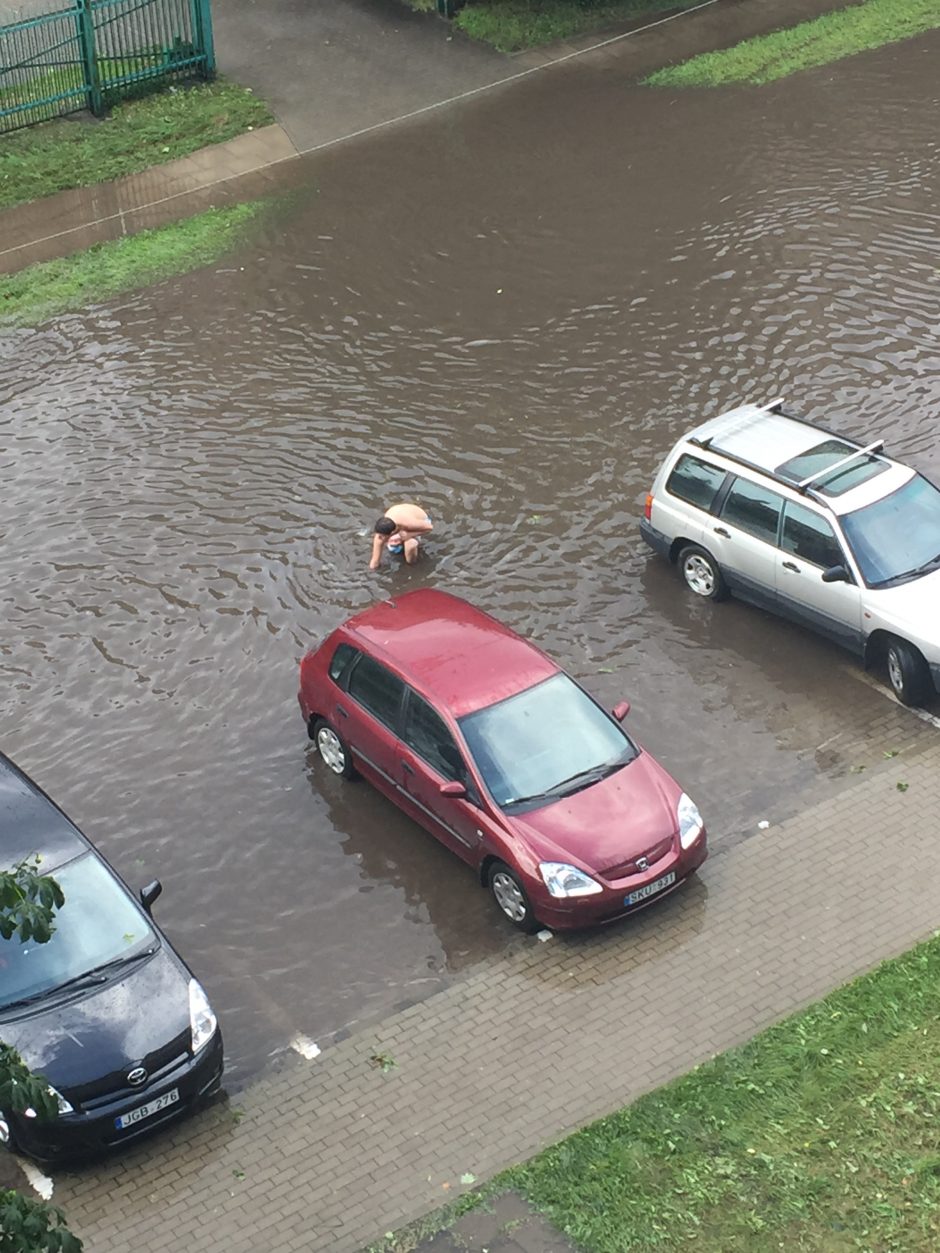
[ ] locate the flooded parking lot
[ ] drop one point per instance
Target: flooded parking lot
(508, 311)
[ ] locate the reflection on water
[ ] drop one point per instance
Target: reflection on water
(506, 312)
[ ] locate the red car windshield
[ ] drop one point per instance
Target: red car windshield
(544, 743)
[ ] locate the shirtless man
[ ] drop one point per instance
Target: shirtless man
(399, 529)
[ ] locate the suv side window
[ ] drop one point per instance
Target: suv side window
(754, 509)
(695, 481)
(807, 535)
(426, 733)
(377, 690)
(339, 662)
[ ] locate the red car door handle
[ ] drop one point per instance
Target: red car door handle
(408, 769)
(341, 711)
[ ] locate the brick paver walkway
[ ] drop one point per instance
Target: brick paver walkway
(329, 1154)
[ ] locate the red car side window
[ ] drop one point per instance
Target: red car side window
(377, 690)
(340, 661)
(427, 735)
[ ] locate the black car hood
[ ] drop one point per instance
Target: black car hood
(140, 1016)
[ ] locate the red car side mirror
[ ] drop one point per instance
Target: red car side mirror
(620, 711)
(453, 789)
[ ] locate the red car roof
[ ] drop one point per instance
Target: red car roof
(452, 651)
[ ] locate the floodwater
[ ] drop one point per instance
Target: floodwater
(507, 311)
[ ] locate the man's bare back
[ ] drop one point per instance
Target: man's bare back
(400, 530)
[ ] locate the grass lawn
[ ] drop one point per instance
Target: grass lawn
(42, 291)
(829, 38)
(511, 25)
(53, 156)
(822, 1133)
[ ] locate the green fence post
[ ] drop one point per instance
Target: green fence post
(202, 29)
(86, 45)
(445, 8)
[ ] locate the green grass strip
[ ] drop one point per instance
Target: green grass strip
(41, 160)
(511, 25)
(42, 291)
(842, 33)
(821, 1133)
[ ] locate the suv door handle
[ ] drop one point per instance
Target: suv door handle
(720, 530)
(791, 565)
(408, 769)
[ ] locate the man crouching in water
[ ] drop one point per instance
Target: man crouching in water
(400, 530)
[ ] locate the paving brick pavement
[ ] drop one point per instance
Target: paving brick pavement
(326, 1155)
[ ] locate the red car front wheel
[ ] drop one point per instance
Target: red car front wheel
(510, 896)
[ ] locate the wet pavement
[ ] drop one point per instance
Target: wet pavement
(508, 313)
(375, 64)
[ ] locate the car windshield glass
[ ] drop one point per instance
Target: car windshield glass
(899, 535)
(98, 923)
(546, 742)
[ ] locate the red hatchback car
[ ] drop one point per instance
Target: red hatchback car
(480, 737)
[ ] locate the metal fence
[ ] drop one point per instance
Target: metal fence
(88, 54)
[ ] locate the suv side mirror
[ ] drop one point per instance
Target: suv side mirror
(620, 711)
(836, 574)
(453, 789)
(150, 893)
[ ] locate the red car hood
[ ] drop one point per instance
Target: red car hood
(608, 823)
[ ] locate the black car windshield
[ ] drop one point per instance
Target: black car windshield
(897, 536)
(544, 743)
(98, 924)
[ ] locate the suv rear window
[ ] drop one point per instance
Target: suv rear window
(695, 481)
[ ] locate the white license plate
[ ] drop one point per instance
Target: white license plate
(145, 1111)
(641, 894)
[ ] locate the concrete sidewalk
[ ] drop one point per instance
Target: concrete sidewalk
(380, 1129)
(335, 67)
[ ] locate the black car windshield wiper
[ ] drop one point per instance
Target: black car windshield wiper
(575, 783)
(97, 974)
(921, 569)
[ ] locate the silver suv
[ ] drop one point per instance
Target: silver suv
(810, 525)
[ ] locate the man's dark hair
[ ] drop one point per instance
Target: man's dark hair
(385, 526)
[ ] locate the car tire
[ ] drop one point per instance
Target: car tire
(510, 897)
(908, 673)
(333, 749)
(7, 1135)
(701, 573)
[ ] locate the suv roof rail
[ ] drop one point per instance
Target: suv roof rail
(875, 447)
(752, 465)
(805, 487)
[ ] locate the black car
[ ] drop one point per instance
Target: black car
(106, 1011)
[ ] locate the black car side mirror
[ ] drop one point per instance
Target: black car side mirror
(620, 711)
(453, 789)
(835, 574)
(150, 893)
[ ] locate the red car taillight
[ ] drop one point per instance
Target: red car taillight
(649, 506)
